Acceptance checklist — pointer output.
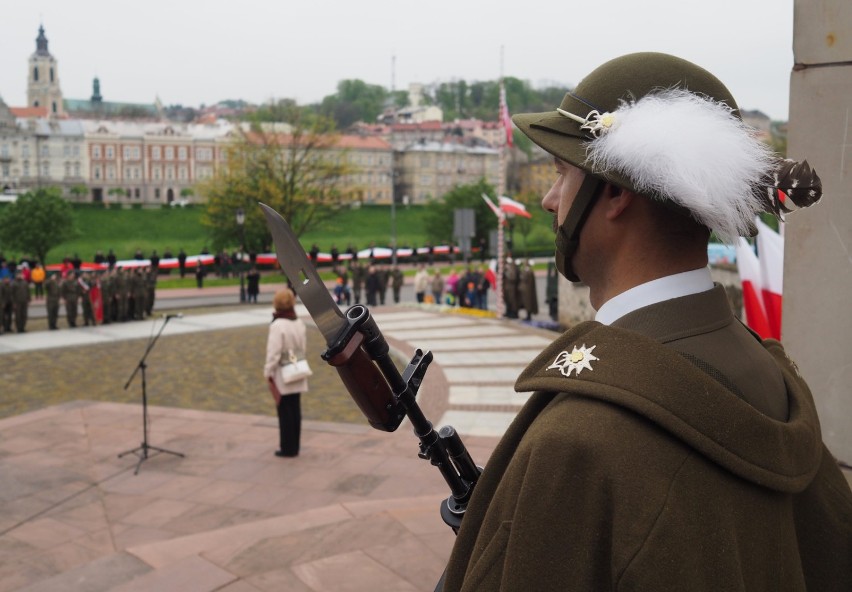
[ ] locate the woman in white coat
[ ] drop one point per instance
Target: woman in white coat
(286, 333)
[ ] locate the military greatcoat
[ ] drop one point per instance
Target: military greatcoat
(638, 464)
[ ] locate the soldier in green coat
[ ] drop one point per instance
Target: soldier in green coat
(151, 290)
(53, 294)
(108, 296)
(20, 301)
(85, 283)
(528, 290)
(357, 272)
(397, 280)
(5, 304)
(138, 291)
(122, 293)
(665, 446)
(70, 293)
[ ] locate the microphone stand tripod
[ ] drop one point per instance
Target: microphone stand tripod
(142, 450)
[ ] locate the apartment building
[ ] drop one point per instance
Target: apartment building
(428, 170)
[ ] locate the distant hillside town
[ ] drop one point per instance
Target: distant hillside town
(96, 150)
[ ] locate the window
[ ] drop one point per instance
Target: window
(158, 173)
(25, 150)
(45, 169)
(66, 150)
(136, 193)
(110, 152)
(137, 172)
(45, 150)
(4, 150)
(51, 77)
(76, 169)
(96, 172)
(170, 153)
(110, 172)
(156, 153)
(35, 75)
(170, 172)
(126, 172)
(182, 173)
(136, 153)
(75, 150)
(67, 169)
(96, 151)
(182, 153)
(157, 193)
(126, 153)
(26, 169)
(5, 170)
(204, 154)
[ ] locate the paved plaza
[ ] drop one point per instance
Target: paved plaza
(357, 510)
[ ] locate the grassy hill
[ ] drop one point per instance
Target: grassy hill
(174, 228)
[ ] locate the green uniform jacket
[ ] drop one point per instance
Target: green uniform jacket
(639, 470)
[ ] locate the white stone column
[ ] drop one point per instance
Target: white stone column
(817, 325)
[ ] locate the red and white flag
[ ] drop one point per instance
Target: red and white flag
(752, 284)
(493, 206)
(510, 206)
(505, 120)
(770, 253)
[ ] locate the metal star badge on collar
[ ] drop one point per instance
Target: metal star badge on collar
(576, 361)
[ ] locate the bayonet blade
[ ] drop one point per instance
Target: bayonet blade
(304, 277)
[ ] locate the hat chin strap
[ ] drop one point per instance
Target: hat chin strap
(568, 233)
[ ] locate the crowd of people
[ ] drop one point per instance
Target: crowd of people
(467, 286)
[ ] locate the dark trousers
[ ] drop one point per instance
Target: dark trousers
(289, 423)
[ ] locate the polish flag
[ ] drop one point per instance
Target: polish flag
(510, 206)
(505, 120)
(770, 249)
(493, 206)
(750, 277)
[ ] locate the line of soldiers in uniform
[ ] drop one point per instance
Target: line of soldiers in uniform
(372, 279)
(519, 289)
(125, 295)
(15, 299)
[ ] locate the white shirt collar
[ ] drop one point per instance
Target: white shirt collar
(664, 288)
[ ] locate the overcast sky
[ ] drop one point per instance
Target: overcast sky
(192, 51)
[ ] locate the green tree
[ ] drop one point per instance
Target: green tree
(117, 191)
(302, 175)
(79, 191)
(355, 100)
(438, 214)
(525, 225)
(37, 222)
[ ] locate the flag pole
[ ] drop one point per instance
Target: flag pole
(501, 190)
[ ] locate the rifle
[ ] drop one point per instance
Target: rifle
(361, 355)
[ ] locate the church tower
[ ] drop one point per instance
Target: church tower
(43, 81)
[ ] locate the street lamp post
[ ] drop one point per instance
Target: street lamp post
(241, 221)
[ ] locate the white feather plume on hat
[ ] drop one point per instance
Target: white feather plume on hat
(687, 148)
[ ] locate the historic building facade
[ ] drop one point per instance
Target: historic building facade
(428, 170)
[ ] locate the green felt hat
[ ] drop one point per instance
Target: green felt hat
(624, 79)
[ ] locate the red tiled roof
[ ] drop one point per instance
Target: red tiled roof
(344, 142)
(29, 111)
(363, 143)
(424, 126)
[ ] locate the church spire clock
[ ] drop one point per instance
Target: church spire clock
(43, 80)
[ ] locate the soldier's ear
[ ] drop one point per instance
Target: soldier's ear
(617, 200)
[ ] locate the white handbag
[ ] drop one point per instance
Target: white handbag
(293, 369)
